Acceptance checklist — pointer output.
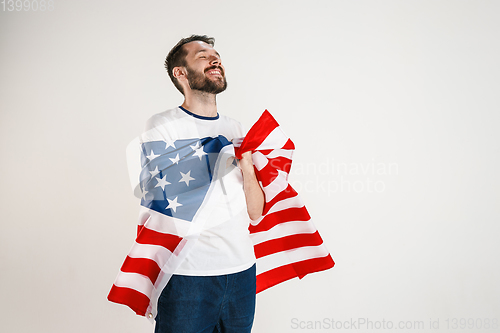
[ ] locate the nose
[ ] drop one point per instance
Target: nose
(215, 61)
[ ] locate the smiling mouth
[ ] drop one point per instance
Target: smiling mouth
(216, 72)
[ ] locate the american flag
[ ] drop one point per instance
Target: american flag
(286, 242)
(177, 180)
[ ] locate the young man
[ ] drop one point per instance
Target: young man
(192, 266)
(213, 288)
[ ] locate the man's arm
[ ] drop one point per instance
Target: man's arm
(253, 192)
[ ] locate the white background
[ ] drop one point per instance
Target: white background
(393, 107)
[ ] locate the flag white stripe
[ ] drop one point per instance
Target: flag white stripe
(276, 186)
(275, 139)
(293, 202)
(167, 224)
(275, 260)
(280, 153)
(134, 281)
(283, 230)
(259, 160)
(157, 253)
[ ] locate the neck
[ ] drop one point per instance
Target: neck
(200, 103)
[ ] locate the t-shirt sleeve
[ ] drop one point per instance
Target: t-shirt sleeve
(236, 129)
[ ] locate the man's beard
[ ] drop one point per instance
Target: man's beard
(200, 82)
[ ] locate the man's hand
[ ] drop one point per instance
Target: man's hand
(246, 163)
(253, 192)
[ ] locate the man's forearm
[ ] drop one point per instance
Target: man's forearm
(253, 192)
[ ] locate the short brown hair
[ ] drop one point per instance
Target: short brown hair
(177, 56)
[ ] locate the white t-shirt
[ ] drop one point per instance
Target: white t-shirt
(224, 245)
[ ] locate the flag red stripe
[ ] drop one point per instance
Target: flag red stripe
(283, 273)
(139, 229)
(132, 298)
(287, 243)
(152, 237)
(268, 173)
(257, 133)
(144, 266)
(313, 265)
(281, 162)
(289, 145)
(270, 220)
(266, 178)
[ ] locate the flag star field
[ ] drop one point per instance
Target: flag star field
(176, 176)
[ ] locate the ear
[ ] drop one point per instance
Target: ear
(179, 73)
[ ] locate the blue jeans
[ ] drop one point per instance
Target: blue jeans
(207, 304)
